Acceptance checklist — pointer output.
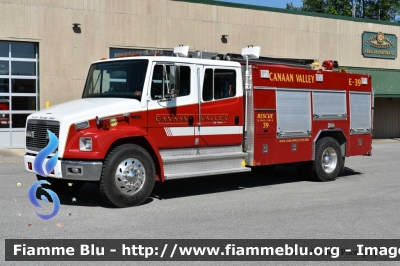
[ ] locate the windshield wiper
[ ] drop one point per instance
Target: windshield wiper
(98, 77)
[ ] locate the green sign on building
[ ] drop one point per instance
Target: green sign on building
(379, 45)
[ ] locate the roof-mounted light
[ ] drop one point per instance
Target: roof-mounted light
(315, 65)
(181, 50)
(330, 64)
(252, 52)
(364, 81)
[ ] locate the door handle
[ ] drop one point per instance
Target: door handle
(236, 120)
(190, 120)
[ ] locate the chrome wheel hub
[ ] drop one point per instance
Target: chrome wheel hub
(329, 160)
(130, 176)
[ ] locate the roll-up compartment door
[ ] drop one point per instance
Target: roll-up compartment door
(293, 113)
(329, 105)
(360, 113)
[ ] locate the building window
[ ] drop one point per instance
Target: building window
(18, 83)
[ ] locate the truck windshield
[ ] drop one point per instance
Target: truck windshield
(117, 79)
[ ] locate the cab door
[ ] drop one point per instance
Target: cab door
(172, 105)
(221, 107)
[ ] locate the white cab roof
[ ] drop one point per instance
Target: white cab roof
(171, 59)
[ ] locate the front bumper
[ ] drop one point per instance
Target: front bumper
(70, 170)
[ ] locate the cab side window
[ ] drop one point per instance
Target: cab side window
(208, 86)
(219, 84)
(156, 83)
(181, 81)
(184, 81)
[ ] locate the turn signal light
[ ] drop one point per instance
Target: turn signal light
(85, 144)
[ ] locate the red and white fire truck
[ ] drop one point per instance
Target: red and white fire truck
(148, 118)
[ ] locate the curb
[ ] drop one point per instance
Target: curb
(385, 140)
(12, 152)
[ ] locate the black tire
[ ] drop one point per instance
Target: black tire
(133, 182)
(328, 160)
(61, 186)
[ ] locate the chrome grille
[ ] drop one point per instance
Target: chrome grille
(38, 139)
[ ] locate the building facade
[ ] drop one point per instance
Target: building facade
(46, 47)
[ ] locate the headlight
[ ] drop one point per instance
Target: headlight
(82, 125)
(85, 144)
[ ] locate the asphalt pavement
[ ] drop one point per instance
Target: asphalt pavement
(362, 204)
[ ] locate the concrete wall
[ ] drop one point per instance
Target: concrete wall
(65, 55)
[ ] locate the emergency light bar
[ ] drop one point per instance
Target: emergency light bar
(252, 52)
(181, 51)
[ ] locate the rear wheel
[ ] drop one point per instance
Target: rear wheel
(328, 160)
(128, 176)
(327, 164)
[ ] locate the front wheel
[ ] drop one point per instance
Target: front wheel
(128, 176)
(328, 160)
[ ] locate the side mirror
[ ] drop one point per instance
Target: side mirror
(171, 77)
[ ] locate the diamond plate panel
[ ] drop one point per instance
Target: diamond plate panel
(189, 168)
(200, 151)
(249, 141)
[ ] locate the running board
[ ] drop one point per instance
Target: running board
(186, 163)
(207, 173)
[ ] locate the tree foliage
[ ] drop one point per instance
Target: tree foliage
(386, 10)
